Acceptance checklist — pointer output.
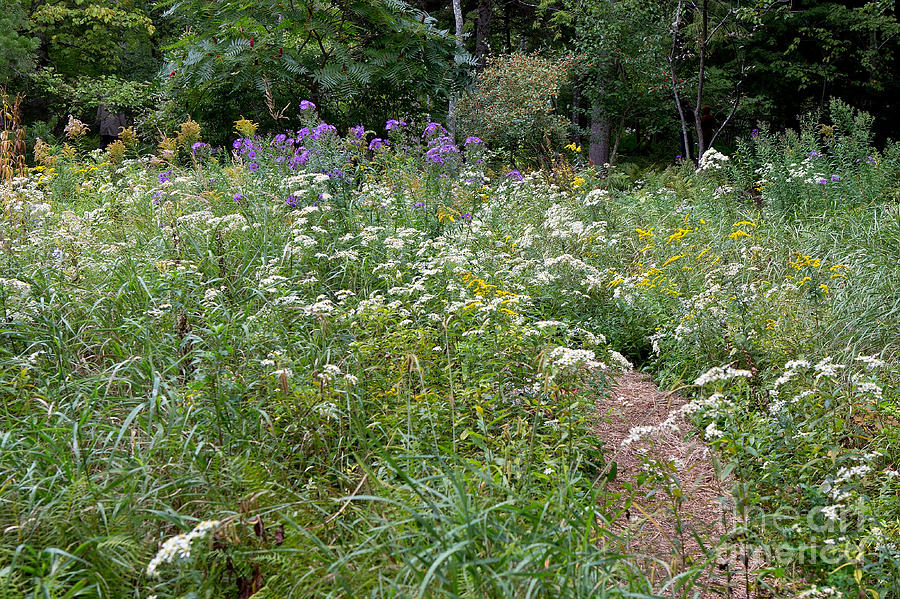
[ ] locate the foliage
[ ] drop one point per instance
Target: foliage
(84, 94)
(262, 54)
(16, 46)
(623, 74)
(513, 104)
(84, 36)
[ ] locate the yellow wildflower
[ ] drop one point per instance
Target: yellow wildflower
(673, 259)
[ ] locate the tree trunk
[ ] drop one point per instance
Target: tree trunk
(598, 151)
(620, 130)
(506, 19)
(701, 74)
(457, 58)
(483, 31)
(676, 30)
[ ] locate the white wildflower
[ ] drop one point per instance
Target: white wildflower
(179, 546)
(718, 373)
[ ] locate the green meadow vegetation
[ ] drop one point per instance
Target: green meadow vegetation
(364, 363)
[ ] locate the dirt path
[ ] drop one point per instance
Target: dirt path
(680, 518)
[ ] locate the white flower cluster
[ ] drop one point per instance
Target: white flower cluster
(721, 373)
(179, 546)
(596, 197)
(712, 432)
(871, 361)
(826, 367)
(636, 433)
(565, 360)
(816, 592)
(560, 223)
(712, 160)
(790, 371)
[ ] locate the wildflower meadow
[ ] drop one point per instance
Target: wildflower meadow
(366, 363)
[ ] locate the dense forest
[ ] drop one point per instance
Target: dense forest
(631, 76)
(474, 299)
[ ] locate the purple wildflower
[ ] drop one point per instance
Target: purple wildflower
(473, 140)
(376, 143)
(394, 124)
(439, 153)
(467, 216)
(336, 174)
(164, 176)
(432, 128)
(307, 105)
(322, 130)
(814, 154)
(755, 132)
(251, 155)
(304, 132)
(821, 180)
(358, 131)
(291, 201)
(238, 197)
(514, 174)
(419, 205)
(198, 146)
(157, 197)
(835, 178)
(254, 167)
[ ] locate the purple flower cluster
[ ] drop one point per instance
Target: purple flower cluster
(514, 175)
(433, 128)
(441, 150)
(164, 176)
(198, 146)
(814, 154)
(376, 143)
(291, 201)
(473, 140)
(307, 105)
(282, 149)
(358, 132)
(394, 124)
(322, 130)
(300, 157)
